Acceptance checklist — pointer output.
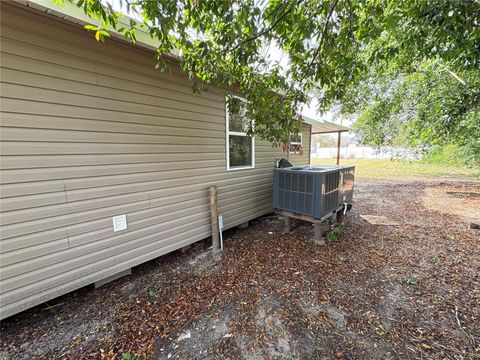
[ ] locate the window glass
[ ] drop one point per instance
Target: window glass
(240, 150)
(240, 146)
(295, 145)
(238, 121)
(296, 138)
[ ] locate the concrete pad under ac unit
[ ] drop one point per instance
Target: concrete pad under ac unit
(378, 220)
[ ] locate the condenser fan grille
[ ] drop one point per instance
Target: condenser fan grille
(295, 191)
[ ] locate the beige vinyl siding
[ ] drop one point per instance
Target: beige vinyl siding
(90, 131)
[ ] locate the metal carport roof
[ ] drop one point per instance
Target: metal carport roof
(324, 127)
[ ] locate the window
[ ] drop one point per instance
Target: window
(296, 143)
(240, 146)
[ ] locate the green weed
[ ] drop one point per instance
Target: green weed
(410, 280)
(332, 235)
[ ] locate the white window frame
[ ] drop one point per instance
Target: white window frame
(296, 142)
(228, 133)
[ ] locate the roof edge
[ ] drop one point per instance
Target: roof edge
(71, 13)
(324, 127)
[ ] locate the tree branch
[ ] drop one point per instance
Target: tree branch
(279, 5)
(322, 40)
(471, 339)
(320, 45)
(350, 15)
(265, 31)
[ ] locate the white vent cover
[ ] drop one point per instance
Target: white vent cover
(119, 223)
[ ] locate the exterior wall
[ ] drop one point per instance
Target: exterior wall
(90, 131)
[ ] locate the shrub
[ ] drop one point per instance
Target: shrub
(453, 154)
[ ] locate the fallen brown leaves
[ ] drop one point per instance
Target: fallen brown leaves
(270, 295)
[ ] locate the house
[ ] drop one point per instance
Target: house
(90, 131)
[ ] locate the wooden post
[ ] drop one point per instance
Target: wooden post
(338, 146)
(214, 215)
(340, 216)
(287, 224)
(318, 231)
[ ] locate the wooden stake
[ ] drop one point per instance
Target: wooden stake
(287, 224)
(318, 231)
(340, 216)
(214, 216)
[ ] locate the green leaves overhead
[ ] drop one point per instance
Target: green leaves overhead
(100, 33)
(328, 47)
(427, 108)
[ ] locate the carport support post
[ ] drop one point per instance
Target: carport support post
(214, 215)
(338, 146)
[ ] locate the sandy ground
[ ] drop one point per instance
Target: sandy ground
(409, 291)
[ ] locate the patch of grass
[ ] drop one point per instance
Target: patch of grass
(385, 169)
(410, 280)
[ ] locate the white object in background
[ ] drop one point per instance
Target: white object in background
(220, 227)
(119, 222)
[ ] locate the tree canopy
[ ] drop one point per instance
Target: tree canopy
(425, 110)
(331, 48)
